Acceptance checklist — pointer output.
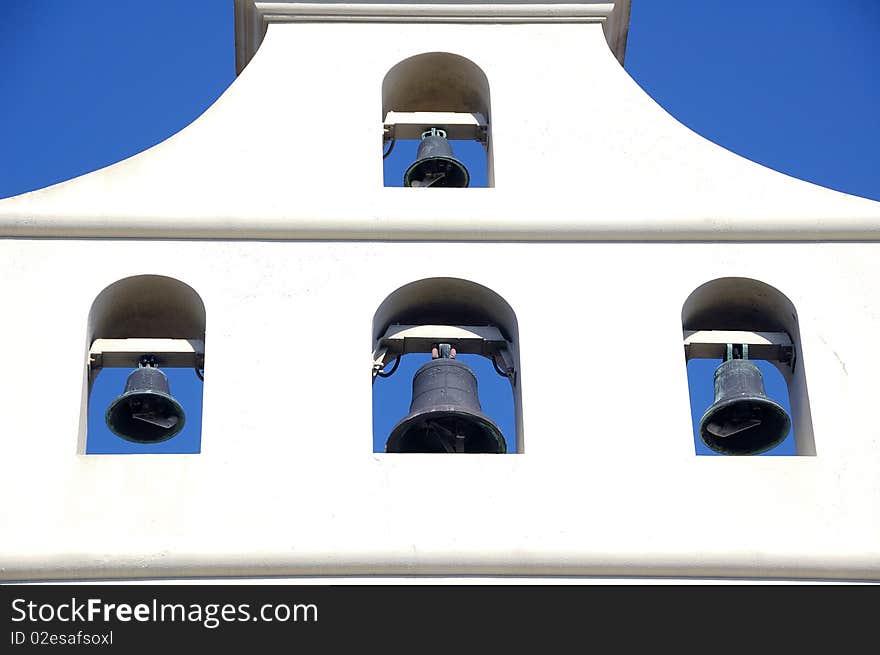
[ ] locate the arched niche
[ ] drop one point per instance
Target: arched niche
(445, 300)
(436, 81)
(454, 301)
(441, 90)
(745, 304)
(146, 308)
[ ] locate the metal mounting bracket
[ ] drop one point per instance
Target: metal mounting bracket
(483, 340)
(712, 344)
(126, 353)
(457, 125)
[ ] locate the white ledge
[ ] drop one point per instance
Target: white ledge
(582, 11)
(342, 226)
(252, 17)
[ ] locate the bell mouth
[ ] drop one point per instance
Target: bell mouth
(435, 431)
(455, 175)
(744, 426)
(145, 417)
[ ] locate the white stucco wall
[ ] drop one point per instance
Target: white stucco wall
(287, 484)
(606, 214)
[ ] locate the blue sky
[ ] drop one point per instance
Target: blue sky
(790, 84)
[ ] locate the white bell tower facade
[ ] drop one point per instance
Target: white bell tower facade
(610, 244)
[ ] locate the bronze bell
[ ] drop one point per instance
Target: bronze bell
(742, 420)
(146, 412)
(445, 415)
(435, 165)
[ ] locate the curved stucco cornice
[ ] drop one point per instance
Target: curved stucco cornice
(581, 153)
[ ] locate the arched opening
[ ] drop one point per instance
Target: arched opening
(145, 357)
(742, 341)
(443, 92)
(479, 329)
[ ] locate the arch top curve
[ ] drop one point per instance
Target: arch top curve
(147, 306)
(739, 303)
(445, 300)
(436, 81)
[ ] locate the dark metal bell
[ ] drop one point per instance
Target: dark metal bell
(435, 165)
(742, 420)
(445, 414)
(146, 412)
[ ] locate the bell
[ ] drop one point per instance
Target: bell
(445, 414)
(435, 165)
(145, 412)
(742, 420)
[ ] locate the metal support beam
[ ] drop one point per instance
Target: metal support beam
(458, 125)
(712, 344)
(482, 340)
(126, 353)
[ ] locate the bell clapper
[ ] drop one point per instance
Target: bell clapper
(441, 434)
(433, 180)
(452, 442)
